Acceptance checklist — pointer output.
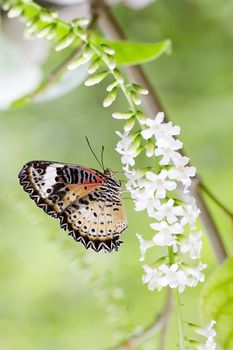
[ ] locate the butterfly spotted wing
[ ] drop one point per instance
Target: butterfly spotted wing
(87, 202)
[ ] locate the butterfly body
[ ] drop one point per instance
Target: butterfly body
(86, 201)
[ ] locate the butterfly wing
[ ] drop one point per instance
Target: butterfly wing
(54, 186)
(96, 220)
(87, 202)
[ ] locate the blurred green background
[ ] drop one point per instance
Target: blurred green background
(56, 295)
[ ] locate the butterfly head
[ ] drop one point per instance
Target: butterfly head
(110, 175)
(108, 172)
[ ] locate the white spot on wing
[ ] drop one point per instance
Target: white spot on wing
(49, 179)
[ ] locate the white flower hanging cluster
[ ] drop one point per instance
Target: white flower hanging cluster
(153, 190)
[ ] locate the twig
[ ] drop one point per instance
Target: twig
(160, 323)
(216, 200)
(208, 221)
(152, 104)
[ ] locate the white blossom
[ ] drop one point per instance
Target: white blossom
(167, 147)
(190, 213)
(209, 333)
(135, 179)
(151, 277)
(171, 130)
(124, 147)
(181, 172)
(144, 246)
(208, 345)
(175, 226)
(195, 274)
(145, 200)
(160, 184)
(173, 276)
(166, 235)
(192, 244)
(169, 211)
(156, 128)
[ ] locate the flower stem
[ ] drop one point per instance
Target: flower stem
(177, 305)
(176, 297)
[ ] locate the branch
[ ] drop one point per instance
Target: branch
(152, 104)
(216, 200)
(160, 323)
(208, 221)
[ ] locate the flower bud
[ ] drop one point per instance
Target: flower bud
(15, 11)
(94, 66)
(88, 52)
(82, 33)
(112, 86)
(129, 124)
(77, 62)
(6, 5)
(44, 32)
(96, 79)
(82, 22)
(118, 75)
(48, 16)
(110, 62)
(111, 96)
(135, 145)
(139, 89)
(122, 115)
(66, 41)
(107, 49)
(149, 148)
(141, 117)
(136, 98)
(32, 29)
(52, 33)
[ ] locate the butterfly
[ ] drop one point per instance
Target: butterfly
(86, 201)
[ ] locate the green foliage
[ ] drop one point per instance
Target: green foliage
(217, 303)
(130, 53)
(45, 23)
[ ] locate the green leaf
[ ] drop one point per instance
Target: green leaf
(20, 102)
(217, 303)
(130, 53)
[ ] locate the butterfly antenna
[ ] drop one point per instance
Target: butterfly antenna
(89, 145)
(102, 157)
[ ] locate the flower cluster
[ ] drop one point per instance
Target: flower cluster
(153, 190)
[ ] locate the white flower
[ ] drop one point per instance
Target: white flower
(160, 184)
(167, 147)
(126, 149)
(167, 233)
(195, 274)
(171, 130)
(209, 333)
(155, 127)
(190, 213)
(144, 245)
(208, 345)
(168, 211)
(173, 277)
(181, 172)
(151, 277)
(145, 200)
(193, 245)
(135, 179)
